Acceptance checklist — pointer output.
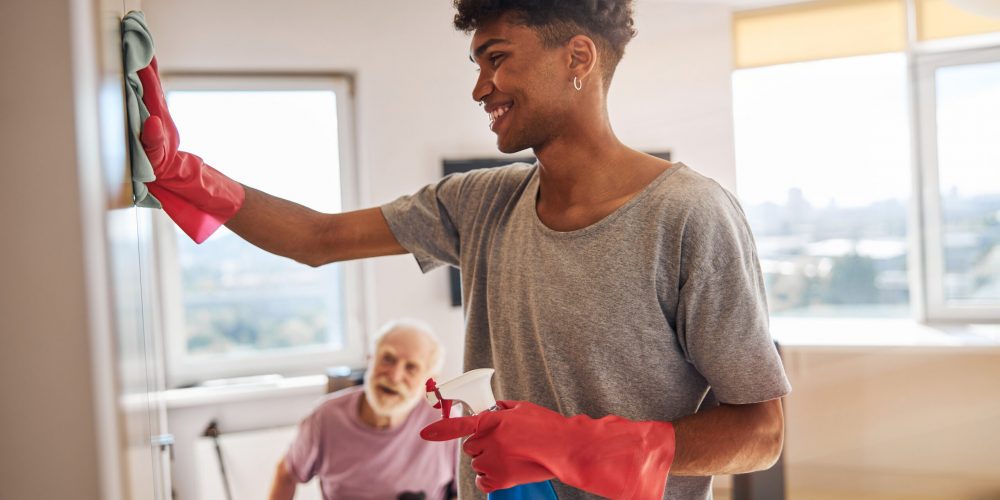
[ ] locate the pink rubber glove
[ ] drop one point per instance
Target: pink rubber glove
(196, 196)
(524, 443)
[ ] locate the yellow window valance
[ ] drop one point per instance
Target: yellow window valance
(828, 29)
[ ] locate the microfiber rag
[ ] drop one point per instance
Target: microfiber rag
(137, 52)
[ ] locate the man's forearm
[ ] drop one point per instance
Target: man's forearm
(729, 439)
(291, 230)
(282, 491)
(283, 487)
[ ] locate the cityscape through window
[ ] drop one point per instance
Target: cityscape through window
(823, 173)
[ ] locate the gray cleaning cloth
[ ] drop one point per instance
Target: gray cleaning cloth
(137, 52)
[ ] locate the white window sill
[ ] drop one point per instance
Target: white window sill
(253, 388)
(791, 333)
(834, 333)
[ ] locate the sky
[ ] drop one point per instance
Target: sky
(838, 130)
(258, 138)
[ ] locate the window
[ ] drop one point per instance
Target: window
(233, 309)
(868, 179)
(822, 157)
(960, 113)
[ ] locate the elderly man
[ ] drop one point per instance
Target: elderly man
(364, 442)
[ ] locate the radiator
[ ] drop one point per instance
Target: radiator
(251, 458)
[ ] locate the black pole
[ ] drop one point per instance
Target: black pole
(212, 431)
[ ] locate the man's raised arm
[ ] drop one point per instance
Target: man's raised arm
(313, 238)
(200, 199)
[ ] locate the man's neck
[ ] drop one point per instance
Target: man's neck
(376, 421)
(587, 164)
(586, 173)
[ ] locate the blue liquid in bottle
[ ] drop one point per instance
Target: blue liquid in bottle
(532, 491)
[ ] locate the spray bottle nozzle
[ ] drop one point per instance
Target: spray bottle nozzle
(443, 404)
(472, 389)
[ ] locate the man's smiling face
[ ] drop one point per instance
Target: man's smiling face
(522, 84)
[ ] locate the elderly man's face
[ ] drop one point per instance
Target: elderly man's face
(397, 372)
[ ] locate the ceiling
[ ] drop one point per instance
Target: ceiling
(988, 8)
(735, 4)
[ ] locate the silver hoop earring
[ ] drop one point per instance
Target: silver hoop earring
(577, 84)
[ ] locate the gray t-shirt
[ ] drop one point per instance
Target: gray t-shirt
(637, 315)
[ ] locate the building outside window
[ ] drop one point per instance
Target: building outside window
(823, 166)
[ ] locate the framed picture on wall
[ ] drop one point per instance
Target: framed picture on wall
(459, 166)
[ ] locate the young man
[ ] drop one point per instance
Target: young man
(363, 442)
(609, 289)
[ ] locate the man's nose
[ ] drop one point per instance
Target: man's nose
(397, 372)
(483, 87)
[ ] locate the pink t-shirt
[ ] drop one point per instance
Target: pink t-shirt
(355, 461)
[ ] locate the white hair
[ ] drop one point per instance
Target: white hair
(414, 325)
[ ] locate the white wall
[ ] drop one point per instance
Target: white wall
(893, 422)
(673, 89)
(414, 105)
(55, 439)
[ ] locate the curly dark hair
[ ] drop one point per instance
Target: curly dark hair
(607, 22)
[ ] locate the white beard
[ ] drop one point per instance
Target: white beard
(391, 410)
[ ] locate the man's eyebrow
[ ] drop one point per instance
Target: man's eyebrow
(483, 46)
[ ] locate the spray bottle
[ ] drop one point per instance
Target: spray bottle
(472, 389)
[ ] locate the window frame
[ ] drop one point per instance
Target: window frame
(182, 369)
(925, 263)
(924, 64)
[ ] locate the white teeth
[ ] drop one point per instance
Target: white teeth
(497, 113)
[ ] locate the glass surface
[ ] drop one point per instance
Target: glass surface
(238, 299)
(968, 135)
(822, 163)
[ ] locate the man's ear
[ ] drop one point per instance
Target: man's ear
(583, 56)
